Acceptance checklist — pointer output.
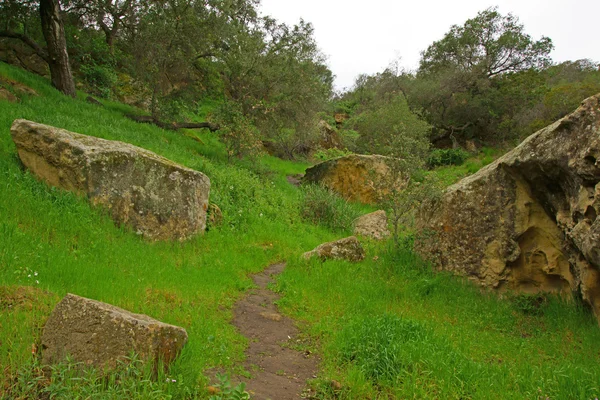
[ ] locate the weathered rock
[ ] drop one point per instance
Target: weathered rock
(158, 198)
(340, 118)
(364, 178)
(99, 335)
(344, 249)
(329, 137)
(529, 220)
(373, 225)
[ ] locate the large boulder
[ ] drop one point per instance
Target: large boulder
(344, 249)
(100, 335)
(364, 178)
(373, 225)
(158, 198)
(528, 221)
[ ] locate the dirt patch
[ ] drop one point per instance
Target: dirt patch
(279, 372)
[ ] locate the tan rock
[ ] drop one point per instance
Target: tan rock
(373, 225)
(99, 335)
(158, 198)
(330, 139)
(344, 249)
(528, 221)
(364, 178)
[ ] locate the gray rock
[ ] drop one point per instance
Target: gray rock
(528, 221)
(99, 335)
(344, 249)
(155, 196)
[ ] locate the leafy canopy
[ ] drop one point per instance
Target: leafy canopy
(489, 44)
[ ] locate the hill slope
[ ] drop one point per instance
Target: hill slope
(386, 327)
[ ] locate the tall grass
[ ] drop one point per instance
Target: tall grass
(388, 327)
(68, 246)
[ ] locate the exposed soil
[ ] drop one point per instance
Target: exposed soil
(278, 371)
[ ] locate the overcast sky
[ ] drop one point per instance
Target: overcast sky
(365, 36)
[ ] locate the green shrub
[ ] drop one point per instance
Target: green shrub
(329, 154)
(99, 78)
(440, 157)
(324, 207)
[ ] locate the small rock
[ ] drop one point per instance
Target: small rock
(99, 335)
(272, 316)
(373, 225)
(344, 249)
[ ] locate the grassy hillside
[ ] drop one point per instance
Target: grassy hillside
(385, 328)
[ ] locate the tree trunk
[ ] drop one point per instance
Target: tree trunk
(58, 60)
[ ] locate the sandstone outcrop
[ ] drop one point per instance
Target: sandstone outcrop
(344, 249)
(158, 198)
(99, 335)
(364, 178)
(528, 221)
(373, 225)
(329, 137)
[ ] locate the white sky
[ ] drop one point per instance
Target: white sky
(365, 36)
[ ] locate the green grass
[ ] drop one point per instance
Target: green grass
(67, 246)
(385, 328)
(391, 328)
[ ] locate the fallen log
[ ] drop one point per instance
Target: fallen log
(173, 126)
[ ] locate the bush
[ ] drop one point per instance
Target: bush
(99, 78)
(322, 206)
(440, 157)
(328, 154)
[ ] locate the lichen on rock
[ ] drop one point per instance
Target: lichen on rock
(528, 221)
(158, 198)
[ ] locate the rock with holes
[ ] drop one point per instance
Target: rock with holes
(373, 225)
(364, 178)
(344, 249)
(528, 221)
(99, 335)
(159, 199)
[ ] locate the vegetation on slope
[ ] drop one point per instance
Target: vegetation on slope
(385, 328)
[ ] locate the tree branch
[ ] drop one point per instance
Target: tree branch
(29, 42)
(173, 126)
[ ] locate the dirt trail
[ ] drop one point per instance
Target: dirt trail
(278, 371)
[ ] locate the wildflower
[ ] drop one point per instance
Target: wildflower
(261, 214)
(29, 276)
(37, 282)
(35, 273)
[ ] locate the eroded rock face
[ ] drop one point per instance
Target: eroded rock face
(373, 225)
(329, 137)
(528, 221)
(158, 198)
(364, 178)
(99, 335)
(344, 249)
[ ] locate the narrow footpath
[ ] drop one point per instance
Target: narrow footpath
(278, 371)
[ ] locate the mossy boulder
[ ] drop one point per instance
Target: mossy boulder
(158, 198)
(100, 335)
(363, 178)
